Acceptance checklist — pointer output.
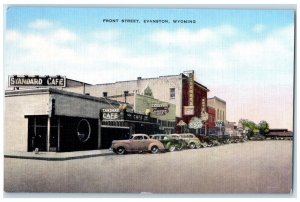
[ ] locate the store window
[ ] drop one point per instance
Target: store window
(172, 93)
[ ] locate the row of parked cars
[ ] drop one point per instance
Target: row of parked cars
(163, 142)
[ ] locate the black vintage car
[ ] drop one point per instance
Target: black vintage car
(224, 139)
(211, 140)
(170, 143)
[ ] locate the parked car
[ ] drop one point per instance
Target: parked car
(170, 143)
(235, 139)
(257, 137)
(204, 139)
(178, 137)
(137, 142)
(213, 141)
(224, 139)
(191, 140)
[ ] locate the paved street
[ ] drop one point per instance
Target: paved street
(251, 167)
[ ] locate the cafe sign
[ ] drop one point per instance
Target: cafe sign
(25, 80)
(110, 114)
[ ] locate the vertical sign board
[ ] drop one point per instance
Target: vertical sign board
(189, 110)
(191, 88)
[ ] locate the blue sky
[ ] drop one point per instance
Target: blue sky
(243, 56)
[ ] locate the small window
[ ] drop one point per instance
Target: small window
(172, 93)
(104, 94)
(145, 137)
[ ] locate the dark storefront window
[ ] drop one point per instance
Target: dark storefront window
(66, 133)
(37, 133)
(78, 134)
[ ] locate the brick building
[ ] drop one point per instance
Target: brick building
(220, 108)
(211, 117)
(180, 90)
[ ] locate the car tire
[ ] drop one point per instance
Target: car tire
(154, 149)
(192, 146)
(172, 148)
(120, 150)
(180, 147)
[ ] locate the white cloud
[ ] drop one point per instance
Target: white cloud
(186, 39)
(226, 30)
(63, 35)
(107, 36)
(183, 38)
(12, 36)
(40, 24)
(258, 28)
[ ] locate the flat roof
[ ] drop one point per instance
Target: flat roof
(153, 78)
(10, 93)
(140, 78)
(79, 81)
(217, 98)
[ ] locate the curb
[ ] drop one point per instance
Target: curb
(57, 158)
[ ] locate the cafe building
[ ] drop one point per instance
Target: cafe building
(59, 121)
(52, 119)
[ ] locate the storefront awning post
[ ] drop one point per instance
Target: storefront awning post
(99, 134)
(48, 133)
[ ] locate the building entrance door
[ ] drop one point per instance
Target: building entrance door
(37, 133)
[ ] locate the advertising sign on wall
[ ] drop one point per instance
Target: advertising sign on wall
(160, 109)
(188, 110)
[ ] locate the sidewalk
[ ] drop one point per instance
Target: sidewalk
(58, 156)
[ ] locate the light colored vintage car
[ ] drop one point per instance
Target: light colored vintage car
(191, 140)
(137, 142)
(170, 143)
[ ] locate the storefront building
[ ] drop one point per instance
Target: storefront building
(182, 91)
(58, 114)
(220, 108)
(119, 124)
(52, 120)
(55, 120)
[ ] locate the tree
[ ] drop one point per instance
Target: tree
(148, 91)
(263, 127)
(254, 129)
(249, 127)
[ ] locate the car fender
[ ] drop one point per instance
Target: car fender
(169, 144)
(158, 144)
(124, 145)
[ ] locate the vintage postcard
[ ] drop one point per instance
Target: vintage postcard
(148, 100)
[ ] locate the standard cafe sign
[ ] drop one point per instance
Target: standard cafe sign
(37, 81)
